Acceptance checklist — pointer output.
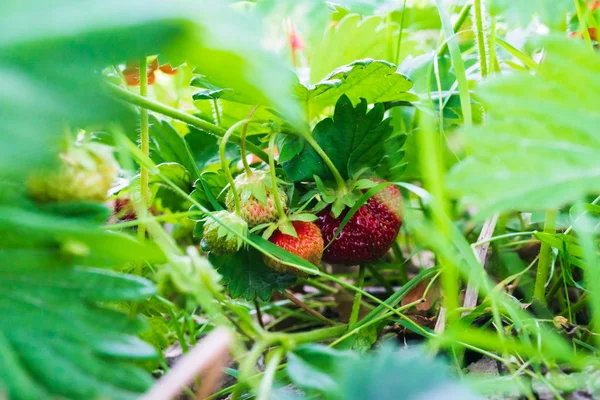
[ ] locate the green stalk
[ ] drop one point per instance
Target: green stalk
(462, 17)
(357, 297)
(243, 141)
(399, 46)
(352, 332)
(543, 270)
(318, 335)
(276, 198)
(494, 67)
(306, 308)
(216, 112)
(266, 383)
(457, 63)
(225, 165)
(336, 174)
(480, 35)
(518, 54)
(135, 99)
(145, 146)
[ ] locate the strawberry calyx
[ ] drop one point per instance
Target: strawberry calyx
(284, 225)
(257, 197)
(338, 199)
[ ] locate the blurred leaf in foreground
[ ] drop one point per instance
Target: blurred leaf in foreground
(385, 375)
(56, 339)
(51, 67)
(540, 147)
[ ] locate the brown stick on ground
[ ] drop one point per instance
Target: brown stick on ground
(470, 299)
(472, 292)
(207, 358)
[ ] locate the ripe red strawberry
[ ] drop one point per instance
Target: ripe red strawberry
(370, 232)
(308, 245)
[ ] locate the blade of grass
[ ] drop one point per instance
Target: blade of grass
(545, 260)
(457, 63)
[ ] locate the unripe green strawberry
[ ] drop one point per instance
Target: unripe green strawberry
(85, 172)
(308, 245)
(220, 240)
(257, 200)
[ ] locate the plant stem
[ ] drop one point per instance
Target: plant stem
(457, 63)
(545, 260)
(336, 174)
(225, 165)
(500, 237)
(216, 112)
(266, 382)
(462, 17)
(317, 335)
(276, 198)
(259, 314)
(243, 141)
(399, 46)
(133, 98)
(480, 35)
(306, 308)
(357, 297)
(145, 146)
(386, 315)
(494, 67)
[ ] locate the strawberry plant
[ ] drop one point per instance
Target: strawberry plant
(280, 199)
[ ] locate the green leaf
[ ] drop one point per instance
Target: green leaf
(209, 190)
(540, 147)
(231, 112)
(209, 91)
(520, 13)
(168, 146)
(338, 374)
(87, 211)
(36, 75)
(374, 80)
(354, 139)
(205, 148)
(317, 368)
(352, 38)
(56, 338)
(72, 240)
(247, 276)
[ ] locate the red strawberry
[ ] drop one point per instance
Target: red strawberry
(370, 232)
(308, 245)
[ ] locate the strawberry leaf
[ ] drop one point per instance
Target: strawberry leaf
(355, 140)
(247, 276)
(335, 374)
(169, 146)
(60, 336)
(376, 81)
(539, 148)
(68, 345)
(353, 38)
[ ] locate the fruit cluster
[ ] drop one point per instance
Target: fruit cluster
(366, 236)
